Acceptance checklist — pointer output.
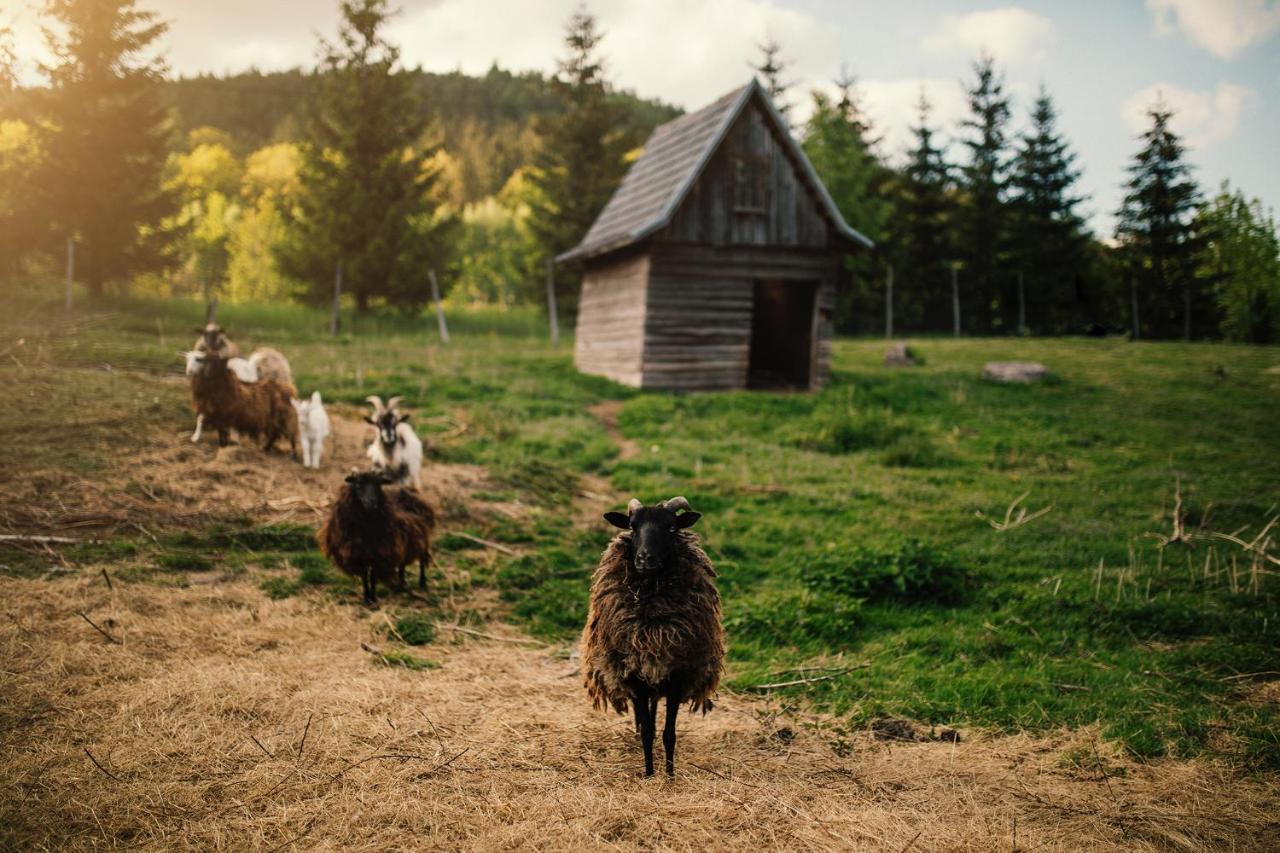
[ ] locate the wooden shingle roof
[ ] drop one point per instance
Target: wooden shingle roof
(673, 158)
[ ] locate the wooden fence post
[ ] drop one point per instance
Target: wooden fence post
(71, 267)
(1133, 296)
(888, 301)
(955, 299)
(1022, 307)
(435, 296)
(335, 319)
(551, 302)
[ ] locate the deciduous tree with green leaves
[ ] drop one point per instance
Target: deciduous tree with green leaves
(366, 198)
(1157, 233)
(988, 294)
(1241, 257)
(1048, 245)
(105, 133)
(580, 162)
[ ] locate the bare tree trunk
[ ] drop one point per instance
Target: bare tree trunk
(1022, 306)
(335, 317)
(435, 297)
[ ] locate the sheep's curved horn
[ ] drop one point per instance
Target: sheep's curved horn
(391, 404)
(376, 402)
(633, 506)
(676, 504)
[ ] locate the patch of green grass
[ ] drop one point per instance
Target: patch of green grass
(278, 588)
(406, 660)
(415, 629)
(185, 561)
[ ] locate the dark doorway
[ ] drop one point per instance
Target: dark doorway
(782, 334)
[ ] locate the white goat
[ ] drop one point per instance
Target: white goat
(245, 369)
(396, 448)
(313, 428)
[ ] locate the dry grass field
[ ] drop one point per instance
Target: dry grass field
(186, 672)
(203, 713)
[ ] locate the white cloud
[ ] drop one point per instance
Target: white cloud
(1223, 27)
(1010, 34)
(684, 52)
(892, 106)
(1201, 118)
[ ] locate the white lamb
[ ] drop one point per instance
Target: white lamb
(396, 448)
(313, 428)
(243, 368)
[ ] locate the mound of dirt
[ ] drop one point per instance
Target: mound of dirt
(217, 719)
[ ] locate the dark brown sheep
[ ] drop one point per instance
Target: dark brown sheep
(250, 408)
(373, 532)
(653, 628)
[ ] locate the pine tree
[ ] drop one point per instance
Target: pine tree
(1156, 230)
(580, 163)
(1048, 242)
(919, 241)
(366, 198)
(839, 141)
(770, 69)
(990, 298)
(105, 131)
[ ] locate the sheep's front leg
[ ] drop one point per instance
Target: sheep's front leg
(306, 454)
(370, 597)
(195, 436)
(422, 574)
(315, 454)
(648, 726)
(224, 436)
(669, 731)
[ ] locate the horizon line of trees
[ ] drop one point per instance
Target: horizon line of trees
(366, 185)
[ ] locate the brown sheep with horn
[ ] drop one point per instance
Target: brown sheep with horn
(653, 629)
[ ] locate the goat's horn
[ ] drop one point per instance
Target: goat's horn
(391, 404)
(676, 504)
(376, 401)
(633, 506)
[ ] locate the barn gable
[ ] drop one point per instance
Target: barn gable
(740, 139)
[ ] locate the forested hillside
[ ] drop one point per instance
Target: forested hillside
(486, 124)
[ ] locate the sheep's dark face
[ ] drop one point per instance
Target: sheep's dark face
(654, 534)
(214, 337)
(388, 424)
(367, 488)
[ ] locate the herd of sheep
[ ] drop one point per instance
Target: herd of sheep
(653, 633)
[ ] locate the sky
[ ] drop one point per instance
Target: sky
(1215, 62)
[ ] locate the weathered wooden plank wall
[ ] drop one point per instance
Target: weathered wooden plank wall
(611, 320)
(750, 194)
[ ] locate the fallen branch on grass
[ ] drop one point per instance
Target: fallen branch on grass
(1010, 521)
(813, 680)
(96, 628)
(446, 626)
(488, 543)
(43, 540)
(97, 765)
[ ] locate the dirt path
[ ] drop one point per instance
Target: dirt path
(607, 413)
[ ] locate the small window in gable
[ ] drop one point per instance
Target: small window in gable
(750, 185)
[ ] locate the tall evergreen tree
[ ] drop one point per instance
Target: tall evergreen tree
(365, 179)
(1048, 242)
(1156, 230)
(771, 67)
(840, 142)
(105, 139)
(990, 299)
(580, 163)
(920, 244)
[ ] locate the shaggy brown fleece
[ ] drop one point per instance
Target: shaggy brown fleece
(250, 408)
(390, 540)
(670, 627)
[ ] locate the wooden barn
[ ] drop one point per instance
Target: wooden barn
(714, 264)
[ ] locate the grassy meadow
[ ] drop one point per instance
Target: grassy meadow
(851, 528)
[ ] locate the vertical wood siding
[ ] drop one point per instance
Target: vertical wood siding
(609, 340)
